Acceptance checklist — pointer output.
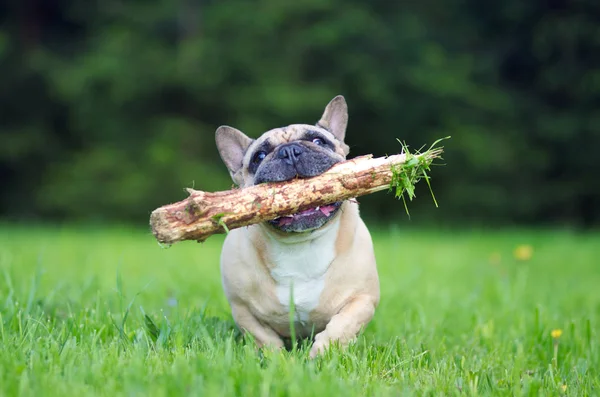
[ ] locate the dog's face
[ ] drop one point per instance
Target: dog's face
(282, 154)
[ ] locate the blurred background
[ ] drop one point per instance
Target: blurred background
(108, 108)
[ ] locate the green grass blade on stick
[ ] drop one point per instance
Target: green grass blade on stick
(407, 174)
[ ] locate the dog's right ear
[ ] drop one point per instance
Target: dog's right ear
(335, 117)
(232, 145)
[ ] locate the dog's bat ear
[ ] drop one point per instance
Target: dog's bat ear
(232, 145)
(335, 117)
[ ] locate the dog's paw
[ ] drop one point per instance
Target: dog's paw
(317, 349)
(319, 346)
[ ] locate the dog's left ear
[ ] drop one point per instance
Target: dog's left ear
(335, 117)
(232, 145)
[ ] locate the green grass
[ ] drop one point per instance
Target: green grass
(458, 316)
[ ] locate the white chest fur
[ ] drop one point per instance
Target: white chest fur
(300, 267)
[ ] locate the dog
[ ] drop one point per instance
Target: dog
(321, 260)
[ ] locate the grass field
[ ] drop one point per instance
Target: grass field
(459, 315)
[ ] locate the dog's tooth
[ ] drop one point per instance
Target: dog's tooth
(318, 208)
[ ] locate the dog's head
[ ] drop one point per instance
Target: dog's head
(282, 154)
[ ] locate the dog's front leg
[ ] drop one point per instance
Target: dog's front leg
(262, 334)
(345, 325)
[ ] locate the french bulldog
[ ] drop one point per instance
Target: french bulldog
(320, 260)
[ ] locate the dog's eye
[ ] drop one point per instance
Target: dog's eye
(318, 141)
(259, 156)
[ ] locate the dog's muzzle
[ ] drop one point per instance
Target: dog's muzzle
(296, 160)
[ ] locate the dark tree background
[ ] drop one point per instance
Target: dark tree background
(108, 108)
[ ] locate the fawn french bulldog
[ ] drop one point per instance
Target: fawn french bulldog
(321, 259)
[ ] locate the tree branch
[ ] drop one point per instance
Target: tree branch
(203, 214)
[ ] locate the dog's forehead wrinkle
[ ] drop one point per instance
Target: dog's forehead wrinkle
(288, 133)
(295, 132)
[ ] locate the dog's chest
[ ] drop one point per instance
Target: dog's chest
(299, 269)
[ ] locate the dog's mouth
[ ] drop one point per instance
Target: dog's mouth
(309, 219)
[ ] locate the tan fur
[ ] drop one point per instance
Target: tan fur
(254, 265)
(347, 303)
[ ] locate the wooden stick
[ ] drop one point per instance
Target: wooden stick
(203, 214)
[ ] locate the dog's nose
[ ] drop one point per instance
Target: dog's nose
(290, 152)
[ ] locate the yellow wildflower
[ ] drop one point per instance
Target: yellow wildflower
(523, 252)
(556, 333)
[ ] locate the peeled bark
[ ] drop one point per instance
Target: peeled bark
(203, 214)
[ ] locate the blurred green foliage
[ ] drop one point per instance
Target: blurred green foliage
(108, 109)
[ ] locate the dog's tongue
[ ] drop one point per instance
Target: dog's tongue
(289, 219)
(286, 221)
(327, 209)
